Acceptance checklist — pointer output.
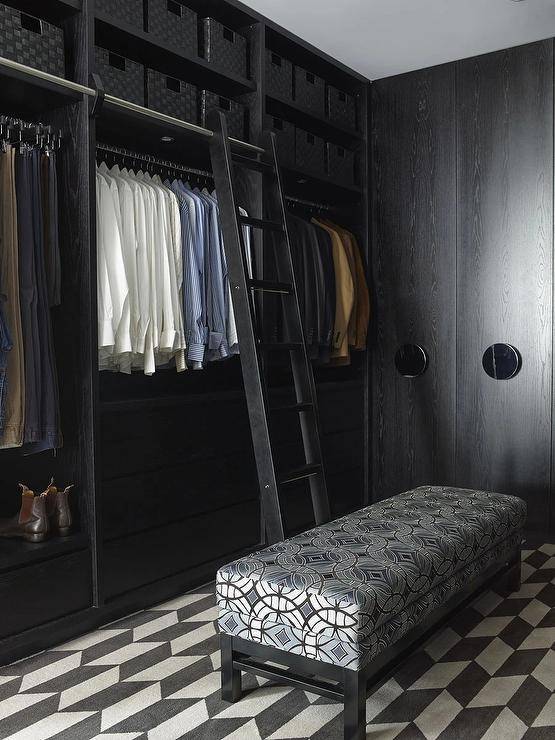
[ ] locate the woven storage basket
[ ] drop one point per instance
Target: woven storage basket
(341, 107)
(171, 96)
(31, 41)
(121, 77)
(285, 139)
(174, 23)
(235, 113)
(309, 91)
(340, 164)
(224, 48)
(309, 152)
(279, 76)
(130, 12)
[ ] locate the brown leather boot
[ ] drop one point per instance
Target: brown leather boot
(32, 522)
(58, 510)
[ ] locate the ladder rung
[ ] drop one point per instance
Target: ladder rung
(260, 223)
(293, 407)
(268, 286)
(280, 346)
(306, 471)
(252, 164)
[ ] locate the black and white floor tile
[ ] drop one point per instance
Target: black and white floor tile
(155, 676)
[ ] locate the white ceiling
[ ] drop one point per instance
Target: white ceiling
(379, 38)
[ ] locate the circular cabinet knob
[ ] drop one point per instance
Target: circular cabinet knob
(411, 360)
(502, 361)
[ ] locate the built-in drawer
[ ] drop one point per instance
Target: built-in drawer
(36, 594)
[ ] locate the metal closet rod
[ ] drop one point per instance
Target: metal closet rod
(309, 203)
(166, 163)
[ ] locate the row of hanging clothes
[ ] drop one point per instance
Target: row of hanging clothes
(164, 298)
(30, 285)
(331, 282)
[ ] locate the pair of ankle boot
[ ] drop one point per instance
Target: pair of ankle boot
(40, 516)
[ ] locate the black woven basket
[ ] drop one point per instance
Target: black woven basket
(235, 113)
(121, 77)
(171, 96)
(224, 48)
(309, 91)
(285, 139)
(31, 41)
(174, 23)
(279, 76)
(309, 152)
(340, 164)
(130, 12)
(341, 107)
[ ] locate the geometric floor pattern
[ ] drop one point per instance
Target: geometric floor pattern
(155, 676)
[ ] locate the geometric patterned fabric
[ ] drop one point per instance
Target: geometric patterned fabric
(488, 675)
(344, 591)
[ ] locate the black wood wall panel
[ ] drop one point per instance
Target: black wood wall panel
(414, 261)
(504, 268)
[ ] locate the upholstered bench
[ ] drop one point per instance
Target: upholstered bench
(343, 602)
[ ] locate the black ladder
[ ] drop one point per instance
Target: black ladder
(254, 351)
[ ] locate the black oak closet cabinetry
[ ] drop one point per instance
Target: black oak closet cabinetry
(414, 260)
(463, 259)
(505, 271)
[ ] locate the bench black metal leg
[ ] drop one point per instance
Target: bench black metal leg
(231, 677)
(354, 712)
(514, 577)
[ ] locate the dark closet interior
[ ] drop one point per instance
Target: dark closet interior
(445, 175)
(165, 480)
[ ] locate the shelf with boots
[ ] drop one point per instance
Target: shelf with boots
(15, 553)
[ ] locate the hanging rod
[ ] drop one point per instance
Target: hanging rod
(191, 127)
(310, 204)
(128, 154)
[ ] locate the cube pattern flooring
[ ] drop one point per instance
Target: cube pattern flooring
(155, 676)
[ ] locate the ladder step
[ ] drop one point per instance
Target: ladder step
(252, 164)
(293, 407)
(306, 471)
(280, 346)
(268, 286)
(260, 223)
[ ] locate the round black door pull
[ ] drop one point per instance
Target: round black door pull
(502, 361)
(411, 360)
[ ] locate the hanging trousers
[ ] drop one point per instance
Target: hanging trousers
(9, 286)
(49, 434)
(28, 298)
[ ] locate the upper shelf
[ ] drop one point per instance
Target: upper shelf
(143, 48)
(132, 126)
(319, 125)
(314, 187)
(51, 10)
(28, 91)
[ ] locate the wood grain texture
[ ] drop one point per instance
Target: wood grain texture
(414, 252)
(504, 265)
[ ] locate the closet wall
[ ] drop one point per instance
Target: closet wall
(462, 259)
(166, 485)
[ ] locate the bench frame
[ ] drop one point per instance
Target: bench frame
(351, 687)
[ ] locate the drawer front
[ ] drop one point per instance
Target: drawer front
(43, 592)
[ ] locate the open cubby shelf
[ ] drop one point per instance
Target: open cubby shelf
(26, 93)
(316, 124)
(154, 53)
(15, 553)
(54, 11)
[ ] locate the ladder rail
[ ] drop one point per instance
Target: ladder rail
(253, 374)
(253, 350)
(310, 427)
